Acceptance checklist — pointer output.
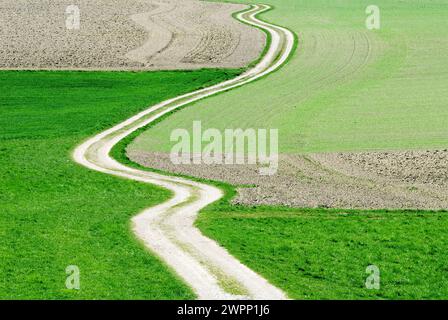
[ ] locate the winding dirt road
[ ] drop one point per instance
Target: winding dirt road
(168, 229)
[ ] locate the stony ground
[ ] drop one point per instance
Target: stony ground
(130, 35)
(373, 180)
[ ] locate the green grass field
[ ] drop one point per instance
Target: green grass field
(55, 213)
(319, 254)
(346, 88)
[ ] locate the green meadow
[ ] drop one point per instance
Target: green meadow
(346, 88)
(54, 213)
(323, 254)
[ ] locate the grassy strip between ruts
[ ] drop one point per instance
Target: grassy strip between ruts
(55, 213)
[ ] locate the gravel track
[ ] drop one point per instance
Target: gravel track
(168, 229)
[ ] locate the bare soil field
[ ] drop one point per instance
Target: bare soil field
(368, 180)
(125, 35)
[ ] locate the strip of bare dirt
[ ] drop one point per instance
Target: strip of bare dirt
(368, 180)
(125, 35)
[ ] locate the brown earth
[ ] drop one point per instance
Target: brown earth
(125, 35)
(368, 180)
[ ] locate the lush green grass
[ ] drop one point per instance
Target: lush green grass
(317, 254)
(54, 213)
(347, 88)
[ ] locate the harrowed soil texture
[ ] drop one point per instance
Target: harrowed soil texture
(125, 35)
(364, 180)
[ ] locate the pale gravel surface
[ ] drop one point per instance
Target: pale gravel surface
(125, 35)
(375, 180)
